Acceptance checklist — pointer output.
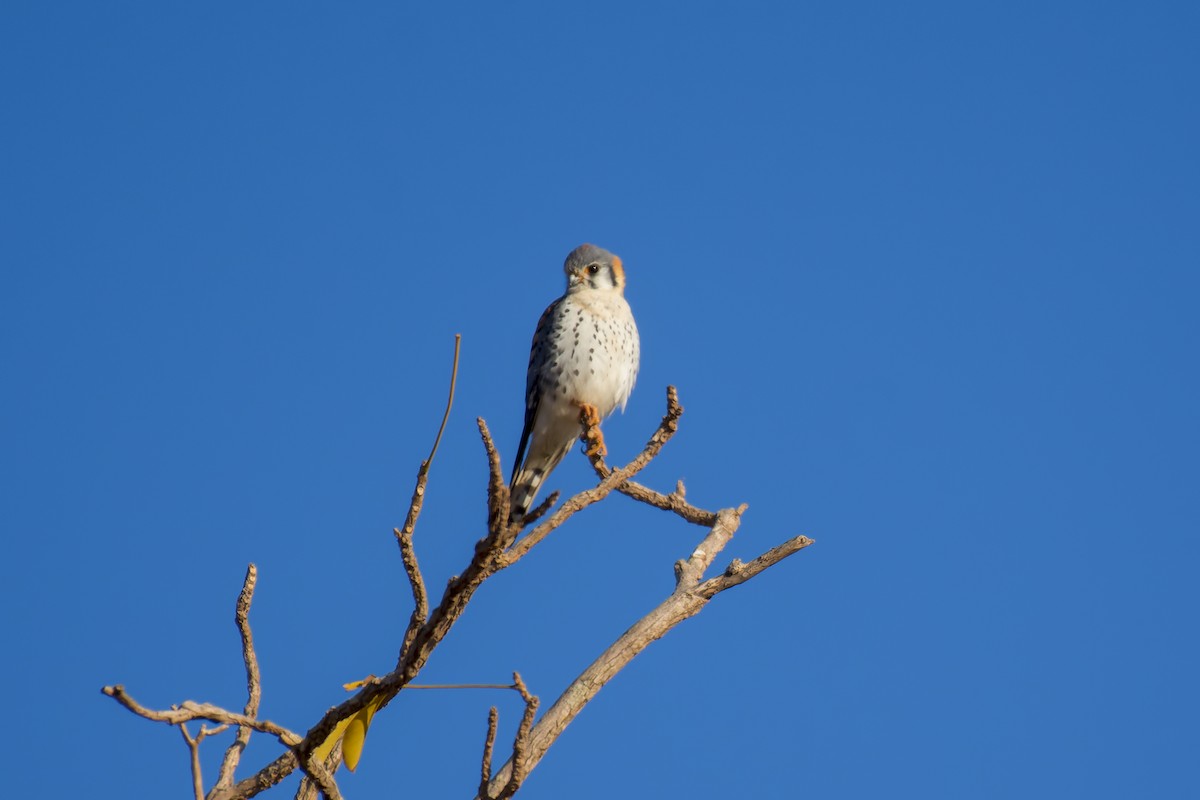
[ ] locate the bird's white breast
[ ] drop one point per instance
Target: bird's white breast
(593, 352)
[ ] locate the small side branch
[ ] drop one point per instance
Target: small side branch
(194, 752)
(233, 753)
(674, 502)
(420, 612)
(737, 572)
(188, 711)
(518, 760)
(404, 535)
(489, 743)
(499, 504)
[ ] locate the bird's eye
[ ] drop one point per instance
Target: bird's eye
(593, 269)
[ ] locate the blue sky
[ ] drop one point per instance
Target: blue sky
(926, 276)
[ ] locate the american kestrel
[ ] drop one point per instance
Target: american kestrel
(584, 358)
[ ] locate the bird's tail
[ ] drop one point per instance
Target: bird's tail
(527, 481)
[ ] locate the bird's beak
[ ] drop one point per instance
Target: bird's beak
(574, 279)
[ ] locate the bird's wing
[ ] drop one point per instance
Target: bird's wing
(537, 356)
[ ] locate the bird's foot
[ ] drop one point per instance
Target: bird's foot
(589, 417)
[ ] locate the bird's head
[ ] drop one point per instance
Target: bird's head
(591, 268)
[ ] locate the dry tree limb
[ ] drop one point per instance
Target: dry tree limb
(459, 590)
(610, 479)
(673, 502)
(499, 503)
(489, 742)
(308, 789)
(499, 548)
(408, 557)
(241, 616)
(420, 612)
(322, 778)
(188, 711)
(408, 554)
(519, 761)
(520, 744)
(489, 557)
(541, 509)
(194, 752)
(688, 599)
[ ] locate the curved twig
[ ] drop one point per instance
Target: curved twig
(233, 753)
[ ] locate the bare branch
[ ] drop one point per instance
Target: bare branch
(233, 753)
(687, 600)
(610, 479)
(323, 778)
(499, 548)
(265, 778)
(499, 503)
(194, 751)
(737, 572)
(449, 399)
(404, 534)
(666, 429)
(188, 711)
(519, 763)
(459, 590)
(540, 511)
(489, 742)
(309, 789)
(673, 502)
(420, 612)
(692, 569)
(520, 743)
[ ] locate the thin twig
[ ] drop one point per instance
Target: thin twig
(233, 753)
(541, 509)
(188, 711)
(408, 554)
(499, 503)
(449, 399)
(489, 742)
(673, 502)
(519, 763)
(420, 612)
(194, 751)
(737, 572)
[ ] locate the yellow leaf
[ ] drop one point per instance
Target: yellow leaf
(352, 732)
(356, 737)
(326, 747)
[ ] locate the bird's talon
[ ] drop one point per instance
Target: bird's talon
(596, 444)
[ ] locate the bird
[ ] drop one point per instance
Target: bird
(584, 359)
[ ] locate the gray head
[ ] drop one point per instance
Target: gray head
(590, 267)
